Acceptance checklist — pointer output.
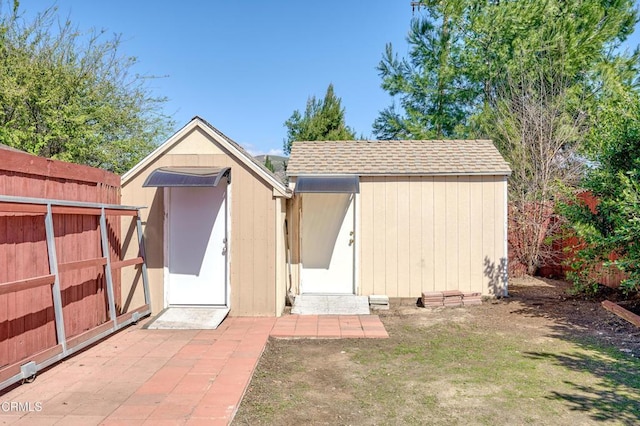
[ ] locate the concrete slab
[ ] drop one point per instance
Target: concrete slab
(320, 304)
(189, 318)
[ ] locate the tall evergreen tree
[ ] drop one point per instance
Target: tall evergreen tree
(462, 54)
(533, 75)
(429, 83)
(323, 119)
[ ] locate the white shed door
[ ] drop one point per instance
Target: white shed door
(327, 243)
(197, 260)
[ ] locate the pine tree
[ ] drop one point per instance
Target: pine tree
(323, 119)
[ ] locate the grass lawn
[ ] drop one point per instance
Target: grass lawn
(490, 364)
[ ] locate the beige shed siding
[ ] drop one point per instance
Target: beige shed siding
(391, 233)
(439, 233)
(293, 220)
(404, 232)
(152, 219)
(378, 200)
(477, 231)
(252, 222)
(415, 235)
(281, 261)
(427, 249)
(431, 233)
(132, 288)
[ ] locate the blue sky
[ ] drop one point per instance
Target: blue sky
(245, 66)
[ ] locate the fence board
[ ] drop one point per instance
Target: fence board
(564, 248)
(27, 284)
(27, 322)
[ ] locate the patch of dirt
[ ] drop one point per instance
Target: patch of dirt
(543, 305)
(575, 315)
(458, 372)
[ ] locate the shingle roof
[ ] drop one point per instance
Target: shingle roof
(407, 157)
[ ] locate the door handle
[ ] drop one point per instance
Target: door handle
(351, 240)
(224, 246)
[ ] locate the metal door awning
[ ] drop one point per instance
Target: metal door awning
(328, 184)
(187, 176)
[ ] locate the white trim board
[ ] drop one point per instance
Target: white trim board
(197, 122)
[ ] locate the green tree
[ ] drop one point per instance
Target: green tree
(323, 119)
(268, 164)
(429, 83)
(70, 95)
(531, 75)
(614, 225)
(462, 54)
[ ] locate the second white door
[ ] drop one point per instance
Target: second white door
(327, 243)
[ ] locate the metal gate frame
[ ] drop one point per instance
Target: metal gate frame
(65, 347)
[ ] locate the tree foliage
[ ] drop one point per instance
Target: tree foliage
(323, 119)
(531, 75)
(70, 95)
(463, 53)
(430, 84)
(538, 132)
(611, 231)
(269, 164)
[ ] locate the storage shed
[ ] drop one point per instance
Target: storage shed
(214, 227)
(398, 218)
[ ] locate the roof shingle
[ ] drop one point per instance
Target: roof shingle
(405, 157)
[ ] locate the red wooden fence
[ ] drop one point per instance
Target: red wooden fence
(27, 323)
(564, 248)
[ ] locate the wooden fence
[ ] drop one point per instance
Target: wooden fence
(564, 247)
(52, 249)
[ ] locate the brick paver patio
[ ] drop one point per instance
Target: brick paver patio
(172, 377)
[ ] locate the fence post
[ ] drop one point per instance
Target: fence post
(104, 237)
(53, 270)
(143, 254)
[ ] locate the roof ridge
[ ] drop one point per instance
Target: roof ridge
(239, 148)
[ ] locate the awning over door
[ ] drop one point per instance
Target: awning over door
(328, 184)
(187, 176)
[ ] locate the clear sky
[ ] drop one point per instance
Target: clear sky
(245, 66)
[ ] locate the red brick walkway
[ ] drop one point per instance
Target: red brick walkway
(172, 377)
(329, 326)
